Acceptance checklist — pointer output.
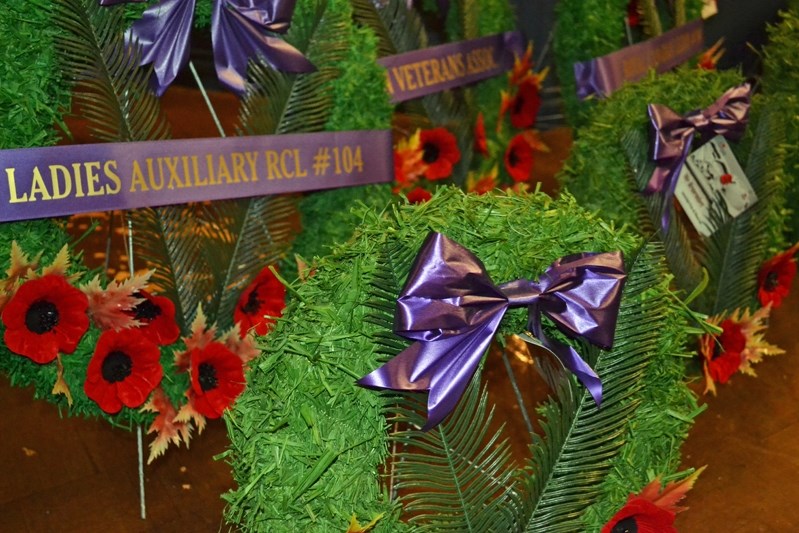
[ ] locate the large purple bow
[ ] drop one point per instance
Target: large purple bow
(237, 33)
(674, 136)
(450, 306)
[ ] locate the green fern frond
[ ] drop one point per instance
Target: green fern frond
(680, 248)
(172, 239)
(401, 30)
(457, 476)
(111, 90)
(734, 254)
(580, 439)
(244, 237)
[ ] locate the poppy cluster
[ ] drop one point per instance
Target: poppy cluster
(45, 316)
(519, 105)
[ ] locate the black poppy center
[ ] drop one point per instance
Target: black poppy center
(252, 305)
(518, 105)
(431, 152)
(147, 311)
(116, 366)
(718, 349)
(772, 280)
(41, 317)
(207, 378)
(628, 525)
(513, 159)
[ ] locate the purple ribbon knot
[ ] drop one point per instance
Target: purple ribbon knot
(674, 136)
(450, 306)
(238, 34)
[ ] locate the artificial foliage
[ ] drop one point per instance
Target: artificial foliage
(602, 30)
(33, 95)
(309, 448)
(781, 79)
(611, 163)
(203, 255)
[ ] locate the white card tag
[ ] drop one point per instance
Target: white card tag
(709, 8)
(711, 185)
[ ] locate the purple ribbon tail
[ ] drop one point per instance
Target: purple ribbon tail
(238, 37)
(574, 363)
(163, 32)
(443, 367)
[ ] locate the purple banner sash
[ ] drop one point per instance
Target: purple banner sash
(64, 180)
(603, 75)
(430, 70)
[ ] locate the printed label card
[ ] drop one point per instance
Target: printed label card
(712, 186)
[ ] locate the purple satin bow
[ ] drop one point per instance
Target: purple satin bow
(237, 35)
(450, 306)
(674, 135)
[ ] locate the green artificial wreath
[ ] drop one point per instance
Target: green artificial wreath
(394, 29)
(310, 450)
(207, 255)
(585, 29)
(611, 162)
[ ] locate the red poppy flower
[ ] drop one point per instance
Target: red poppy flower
(156, 314)
(519, 158)
(124, 370)
(480, 142)
(217, 379)
(45, 316)
(525, 105)
(642, 516)
(776, 277)
(439, 152)
(265, 296)
(419, 196)
(723, 353)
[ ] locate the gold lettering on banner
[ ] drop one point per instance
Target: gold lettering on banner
(38, 186)
(209, 160)
(157, 186)
(137, 178)
(195, 167)
(110, 169)
(174, 172)
(57, 173)
(252, 160)
(12, 188)
(78, 181)
(93, 178)
(272, 170)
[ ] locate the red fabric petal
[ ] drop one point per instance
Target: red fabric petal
(230, 381)
(525, 106)
(480, 142)
(265, 296)
(419, 196)
(648, 517)
(722, 367)
(163, 329)
(775, 278)
(71, 306)
(145, 373)
(519, 158)
(440, 152)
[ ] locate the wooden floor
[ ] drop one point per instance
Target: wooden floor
(74, 475)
